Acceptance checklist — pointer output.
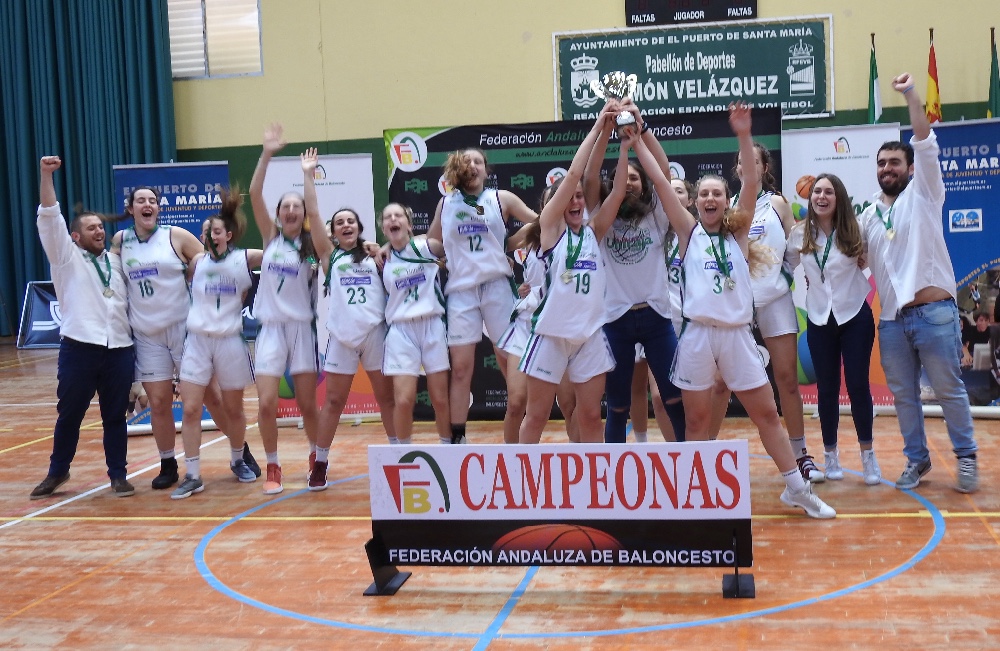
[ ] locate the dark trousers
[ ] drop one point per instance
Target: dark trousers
(86, 369)
(852, 342)
(656, 334)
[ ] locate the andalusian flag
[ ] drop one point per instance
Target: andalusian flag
(874, 94)
(933, 96)
(993, 105)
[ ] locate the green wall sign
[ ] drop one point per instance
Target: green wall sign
(783, 63)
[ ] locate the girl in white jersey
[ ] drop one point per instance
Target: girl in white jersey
(774, 311)
(566, 328)
(637, 303)
(356, 323)
(841, 327)
(214, 347)
(718, 309)
(285, 303)
(155, 260)
(513, 340)
(414, 312)
(471, 222)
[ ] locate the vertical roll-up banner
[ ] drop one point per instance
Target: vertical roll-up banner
(342, 181)
(40, 317)
(189, 192)
(527, 158)
(849, 153)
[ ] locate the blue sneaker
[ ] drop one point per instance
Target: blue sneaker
(243, 472)
(188, 487)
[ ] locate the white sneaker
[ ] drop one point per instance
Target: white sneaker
(927, 394)
(808, 501)
(870, 468)
(831, 463)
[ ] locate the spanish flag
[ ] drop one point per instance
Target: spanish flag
(933, 96)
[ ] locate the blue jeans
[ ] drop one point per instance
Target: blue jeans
(828, 344)
(86, 369)
(656, 334)
(927, 335)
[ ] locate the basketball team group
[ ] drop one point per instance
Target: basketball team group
(621, 274)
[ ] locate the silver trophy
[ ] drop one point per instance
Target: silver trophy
(617, 85)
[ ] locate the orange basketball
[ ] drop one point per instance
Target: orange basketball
(804, 185)
(556, 537)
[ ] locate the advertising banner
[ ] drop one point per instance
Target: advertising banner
(850, 154)
(342, 181)
(639, 13)
(784, 63)
(189, 192)
(527, 158)
(40, 317)
(663, 504)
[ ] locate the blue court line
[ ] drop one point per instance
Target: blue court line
(493, 629)
(492, 632)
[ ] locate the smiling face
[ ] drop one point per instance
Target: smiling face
(573, 215)
(220, 236)
(893, 171)
(712, 201)
(144, 206)
(291, 214)
(633, 184)
(396, 225)
(823, 200)
(758, 161)
(346, 229)
(88, 233)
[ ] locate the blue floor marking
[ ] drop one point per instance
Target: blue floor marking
(492, 632)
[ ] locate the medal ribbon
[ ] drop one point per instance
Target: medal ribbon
(420, 259)
(887, 219)
(572, 255)
(334, 257)
(720, 253)
(105, 280)
(826, 254)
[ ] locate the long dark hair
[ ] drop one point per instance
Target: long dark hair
(767, 181)
(633, 208)
(358, 252)
(844, 222)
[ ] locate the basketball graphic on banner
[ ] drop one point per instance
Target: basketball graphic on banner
(556, 537)
(807, 374)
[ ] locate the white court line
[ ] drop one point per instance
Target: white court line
(96, 489)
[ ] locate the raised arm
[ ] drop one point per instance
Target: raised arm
(741, 122)
(322, 243)
(918, 119)
(682, 220)
(551, 218)
(592, 171)
(47, 188)
(273, 142)
(652, 144)
(605, 216)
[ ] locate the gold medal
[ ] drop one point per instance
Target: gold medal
(479, 210)
(730, 283)
(567, 276)
(108, 292)
(890, 233)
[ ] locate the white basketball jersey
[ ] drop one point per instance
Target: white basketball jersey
(473, 243)
(157, 289)
(357, 298)
(674, 275)
(286, 291)
(534, 277)
(217, 294)
(774, 280)
(572, 304)
(708, 298)
(411, 281)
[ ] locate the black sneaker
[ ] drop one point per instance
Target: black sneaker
(168, 474)
(120, 487)
(249, 460)
(48, 486)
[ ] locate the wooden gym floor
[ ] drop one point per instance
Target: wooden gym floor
(231, 568)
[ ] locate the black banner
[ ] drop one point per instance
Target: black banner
(640, 13)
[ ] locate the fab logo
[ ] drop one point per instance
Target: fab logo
(412, 484)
